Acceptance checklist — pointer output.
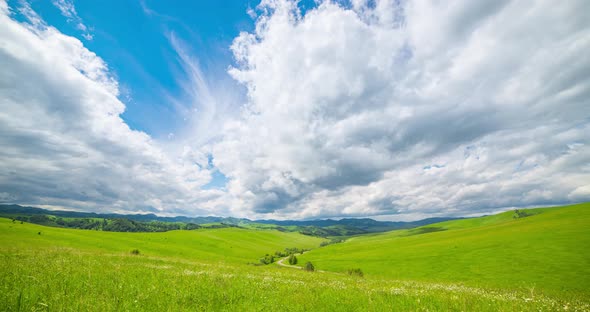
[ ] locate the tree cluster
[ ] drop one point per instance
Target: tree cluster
(520, 214)
(290, 251)
(267, 259)
(110, 225)
(330, 242)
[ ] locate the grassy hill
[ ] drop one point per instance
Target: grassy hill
(152, 223)
(543, 249)
(484, 264)
(225, 244)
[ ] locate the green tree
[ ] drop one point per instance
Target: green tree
(309, 267)
(39, 219)
(292, 259)
(267, 259)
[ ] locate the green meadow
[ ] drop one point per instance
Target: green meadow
(546, 250)
(534, 260)
(226, 245)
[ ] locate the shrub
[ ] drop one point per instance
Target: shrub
(281, 254)
(520, 214)
(267, 259)
(355, 272)
(309, 267)
(292, 259)
(293, 250)
(333, 241)
(135, 252)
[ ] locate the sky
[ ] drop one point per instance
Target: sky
(389, 109)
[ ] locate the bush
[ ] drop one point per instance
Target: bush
(281, 254)
(267, 259)
(292, 259)
(520, 214)
(135, 252)
(309, 267)
(294, 250)
(355, 272)
(191, 226)
(333, 241)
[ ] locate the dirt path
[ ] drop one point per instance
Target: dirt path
(281, 263)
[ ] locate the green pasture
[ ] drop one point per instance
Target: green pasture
(232, 245)
(62, 279)
(544, 250)
(537, 262)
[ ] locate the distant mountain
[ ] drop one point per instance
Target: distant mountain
(325, 228)
(18, 209)
(365, 224)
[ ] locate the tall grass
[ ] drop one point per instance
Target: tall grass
(57, 279)
(450, 269)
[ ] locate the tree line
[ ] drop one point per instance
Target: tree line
(110, 225)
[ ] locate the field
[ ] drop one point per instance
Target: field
(537, 261)
(547, 250)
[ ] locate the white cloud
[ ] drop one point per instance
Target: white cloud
(68, 10)
(381, 109)
(205, 101)
(63, 140)
(348, 106)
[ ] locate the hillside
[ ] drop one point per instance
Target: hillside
(542, 249)
(152, 223)
(225, 244)
(16, 210)
(533, 260)
(364, 224)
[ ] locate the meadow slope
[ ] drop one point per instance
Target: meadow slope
(208, 270)
(544, 250)
(232, 245)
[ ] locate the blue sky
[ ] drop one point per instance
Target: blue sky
(132, 37)
(396, 110)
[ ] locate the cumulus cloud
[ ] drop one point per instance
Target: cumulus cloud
(63, 141)
(410, 108)
(392, 109)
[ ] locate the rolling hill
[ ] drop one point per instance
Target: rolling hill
(225, 244)
(546, 249)
(526, 260)
(154, 223)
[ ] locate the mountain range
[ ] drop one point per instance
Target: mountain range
(325, 227)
